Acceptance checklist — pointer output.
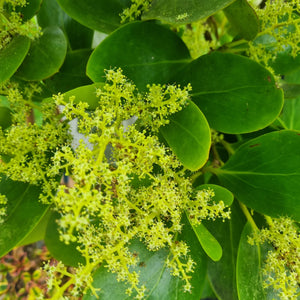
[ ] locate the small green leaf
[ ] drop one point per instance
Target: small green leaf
(160, 284)
(236, 94)
(222, 273)
(45, 57)
(221, 193)
(71, 74)
(183, 12)
(264, 174)
(103, 15)
(12, 56)
(5, 117)
(248, 268)
(68, 254)
(237, 13)
(188, 134)
(24, 212)
(147, 52)
(208, 242)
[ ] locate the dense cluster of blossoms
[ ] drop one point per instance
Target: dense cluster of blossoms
(280, 30)
(282, 265)
(12, 24)
(135, 10)
(127, 184)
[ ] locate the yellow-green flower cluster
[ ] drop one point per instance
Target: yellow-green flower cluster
(135, 10)
(11, 23)
(3, 202)
(282, 266)
(128, 185)
(26, 147)
(280, 30)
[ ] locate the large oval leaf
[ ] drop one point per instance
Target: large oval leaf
(237, 13)
(45, 57)
(160, 284)
(12, 56)
(147, 53)
(71, 74)
(182, 12)
(50, 14)
(101, 15)
(24, 211)
(236, 94)
(188, 134)
(264, 174)
(248, 268)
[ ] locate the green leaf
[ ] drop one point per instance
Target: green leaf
(28, 11)
(68, 254)
(208, 242)
(50, 14)
(79, 36)
(291, 114)
(154, 274)
(248, 268)
(236, 94)
(147, 53)
(291, 90)
(222, 274)
(183, 12)
(264, 174)
(221, 194)
(103, 15)
(85, 94)
(12, 56)
(5, 117)
(188, 134)
(237, 13)
(24, 212)
(45, 57)
(71, 74)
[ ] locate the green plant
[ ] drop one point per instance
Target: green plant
(184, 181)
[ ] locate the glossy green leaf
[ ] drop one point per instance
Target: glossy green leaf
(236, 94)
(221, 193)
(291, 90)
(71, 74)
(45, 57)
(12, 56)
(237, 13)
(183, 12)
(208, 242)
(222, 274)
(39, 231)
(291, 114)
(103, 15)
(24, 212)
(68, 254)
(79, 36)
(5, 117)
(248, 271)
(154, 274)
(85, 93)
(147, 53)
(50, 14)
(264, 174)
(188, 134)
